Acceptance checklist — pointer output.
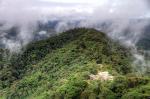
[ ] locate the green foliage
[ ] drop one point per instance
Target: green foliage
(73, 88)
(97, 90)
(142, 92)
(122, 86)
(59, 68)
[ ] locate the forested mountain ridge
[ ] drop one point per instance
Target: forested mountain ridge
(77, 64)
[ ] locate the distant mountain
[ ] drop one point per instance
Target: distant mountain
(77, 64)
(51, 28)
(42, 31)
(144, 42)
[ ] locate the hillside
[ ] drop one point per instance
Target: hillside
(77, 64)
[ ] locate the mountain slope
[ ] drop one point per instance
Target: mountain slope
(78, 64)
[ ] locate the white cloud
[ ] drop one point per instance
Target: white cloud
(25, 13)
(93, 2)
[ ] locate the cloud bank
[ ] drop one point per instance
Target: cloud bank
(123, 20)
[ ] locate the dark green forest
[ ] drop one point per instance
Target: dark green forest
(77, 64)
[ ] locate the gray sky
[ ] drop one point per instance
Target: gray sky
(25, 14)
(32, 10)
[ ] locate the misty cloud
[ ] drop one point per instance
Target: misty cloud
(25, 14)
(123, 20)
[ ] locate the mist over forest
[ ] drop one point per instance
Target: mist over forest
(46, 44)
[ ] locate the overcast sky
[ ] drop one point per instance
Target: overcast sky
(25, 14)
(37, 8)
